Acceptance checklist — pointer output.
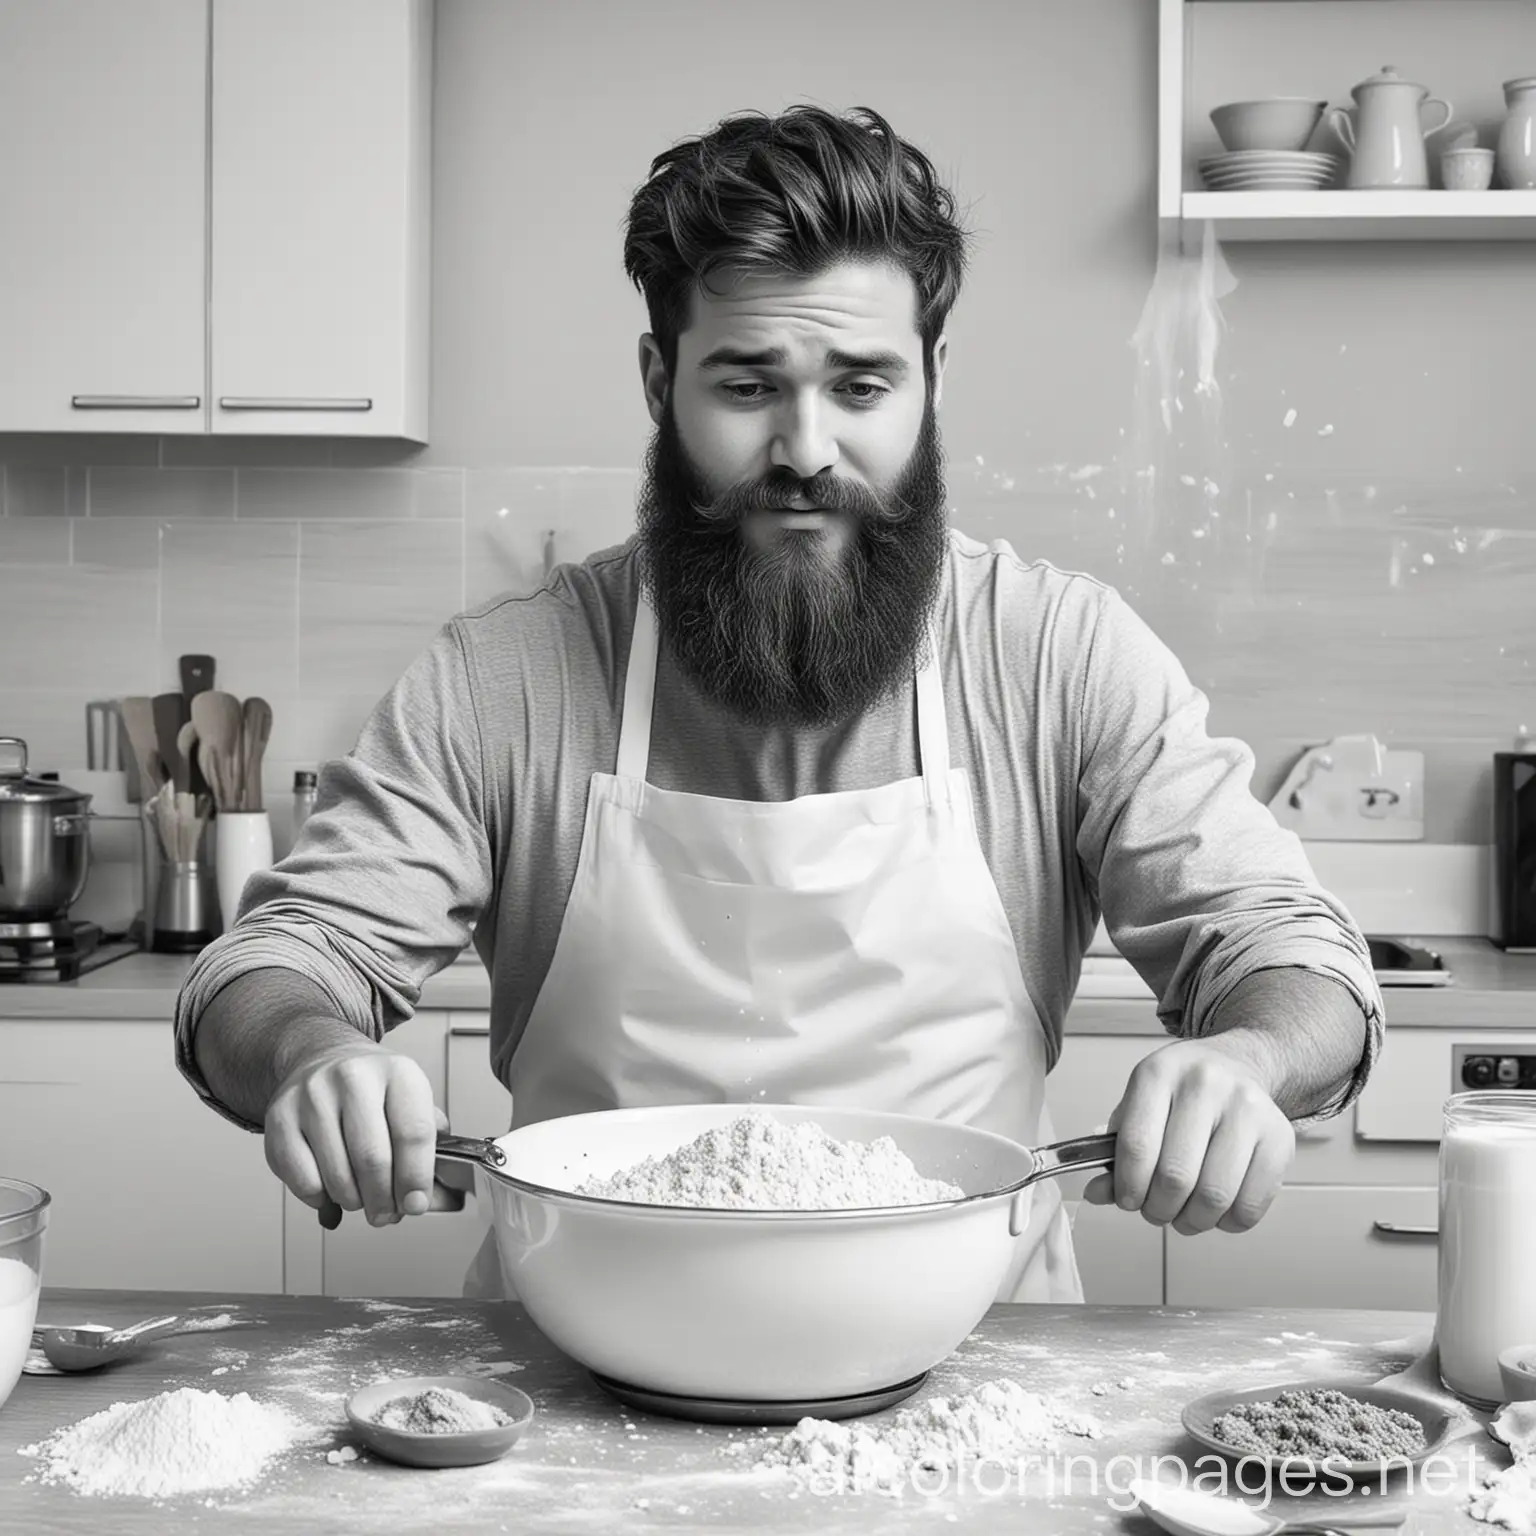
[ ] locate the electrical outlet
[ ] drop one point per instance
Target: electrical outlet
(1354, 789)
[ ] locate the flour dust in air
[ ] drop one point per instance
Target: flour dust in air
(1181, 523)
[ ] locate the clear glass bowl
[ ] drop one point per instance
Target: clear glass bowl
(23, 1220)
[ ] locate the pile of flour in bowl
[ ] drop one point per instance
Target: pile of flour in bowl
(757, 1163)
(998, 1422)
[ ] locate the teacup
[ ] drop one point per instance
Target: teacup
(1467, 170)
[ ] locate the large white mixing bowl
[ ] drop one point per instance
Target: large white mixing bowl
(757, 1305)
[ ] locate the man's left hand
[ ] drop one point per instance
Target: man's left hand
(1201, 1142)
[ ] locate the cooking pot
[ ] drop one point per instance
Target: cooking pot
(44, 842)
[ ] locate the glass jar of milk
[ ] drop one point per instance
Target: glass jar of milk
(23, 1218)
(1487, 1284)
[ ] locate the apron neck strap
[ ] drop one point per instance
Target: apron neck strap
(932, 733)
(640, 697)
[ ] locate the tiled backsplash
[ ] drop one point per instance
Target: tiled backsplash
(314, 571)
(313, 585)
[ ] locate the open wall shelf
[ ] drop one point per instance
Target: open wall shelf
(1336, 214)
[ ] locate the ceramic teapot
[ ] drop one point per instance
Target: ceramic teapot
(1385, 139)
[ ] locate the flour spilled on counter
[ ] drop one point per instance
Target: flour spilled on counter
(313, 1379)
(1507, 1498)
(758, 1163)
(180, 1442)
(485, 1367)
(209, 1324)
(997, 1422)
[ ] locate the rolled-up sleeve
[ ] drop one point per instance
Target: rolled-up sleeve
(1199, 885)
(391, 874)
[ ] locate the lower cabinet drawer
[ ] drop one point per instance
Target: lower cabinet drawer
(1317, 1246)
(1119, 1256)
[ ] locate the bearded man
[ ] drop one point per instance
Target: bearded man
(799, 796)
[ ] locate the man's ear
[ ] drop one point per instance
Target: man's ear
(653, 377)
(940, 357)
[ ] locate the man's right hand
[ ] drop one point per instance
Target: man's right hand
(355, 1124)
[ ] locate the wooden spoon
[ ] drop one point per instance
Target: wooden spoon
(138, 713)
(258, 730)
(220, 723)
(169, 711)
(186, 745)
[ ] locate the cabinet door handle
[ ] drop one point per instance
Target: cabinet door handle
(296, 403)
(135, 402)
(1403, 1229)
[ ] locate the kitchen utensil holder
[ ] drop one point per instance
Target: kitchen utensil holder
(181, 912)
(242, 847)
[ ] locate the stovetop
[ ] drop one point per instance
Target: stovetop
(58, 952)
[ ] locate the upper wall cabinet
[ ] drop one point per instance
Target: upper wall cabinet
(321, 216)
(103, 203)
(217, 216)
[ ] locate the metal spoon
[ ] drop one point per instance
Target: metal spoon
(91, 1346)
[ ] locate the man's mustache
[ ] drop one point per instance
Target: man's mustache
(788, 492)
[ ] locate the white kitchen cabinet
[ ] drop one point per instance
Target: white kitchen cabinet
(320, 233)
(1317, 1246)
(1119, 1253)
(478, 1103)
(103, 173)
(151, 1189)
(217, 216)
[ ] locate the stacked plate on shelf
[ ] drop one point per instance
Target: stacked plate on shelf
(1270, 170)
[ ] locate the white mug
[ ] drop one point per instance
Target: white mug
(242, 846)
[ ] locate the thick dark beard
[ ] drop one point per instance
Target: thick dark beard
(786, 637)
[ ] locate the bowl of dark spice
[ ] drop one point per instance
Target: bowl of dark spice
(439, 1421)
(1327, 1428)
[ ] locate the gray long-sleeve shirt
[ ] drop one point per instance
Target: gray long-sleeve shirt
(458, 816)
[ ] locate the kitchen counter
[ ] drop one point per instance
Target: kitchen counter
(1489, 990)
(588, 1465)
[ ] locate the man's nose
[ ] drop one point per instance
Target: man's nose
(803, 441)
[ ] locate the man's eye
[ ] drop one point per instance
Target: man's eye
(863, 391)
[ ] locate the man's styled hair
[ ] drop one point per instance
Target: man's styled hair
(795, 193)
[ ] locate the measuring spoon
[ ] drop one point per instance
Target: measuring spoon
(90, 1346)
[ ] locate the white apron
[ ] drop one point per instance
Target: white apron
(843, 949)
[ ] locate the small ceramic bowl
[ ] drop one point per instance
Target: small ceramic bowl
(1517, 1369)
(471, 1448)
(1467, 170)
(1276, 123)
